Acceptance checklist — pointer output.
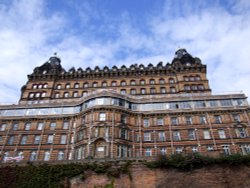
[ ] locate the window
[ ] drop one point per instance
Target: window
(15, 126)
(67, 86)
(179, 149)
(217, 119)
(60, 155)
(123, 83)
(174, 121)
(66, 95)
(186, 78)
(123, 118)
(124, 134)
(241, 132)
(176, 135)
(148, 152)
(1, 138)
(57, 95)
(143, 91)
(133, 91)
(95, 84)
(161, 81)
(222, 134)
(245, 149)
(52, 125)
(85, 85)
(104, 84)
(197, 78)
(201, 87)
(123, 91)
(40, 126)
(63, 139)
(75, 94)
(43, 94)
(59, 86)
(191, 134)
(152, 90)
(200, 104)
(187, 88)
(191, 78)
(206, 134)
(46, 156)
(3, 127)
(40, 86)
(31, 95)
(160, 121)
(226, 103)
(163, 90)
(102, 116)
(194, 149)
(213, 103)
(172, 90)
(76, 85)
(226, 149)
(37, 139)
(113, 83)
(33, 156)
(24, 139)
(161, 136)
(37, 95)
(34, 86)
(142, 82)
(193, 87)
(236, 117)
(203, 120)
(146, 122)
(189, 120)
(152, 81)
(147, 136)
(163, 151)
(132, 82)
(210, 148)
(11, 140)
(50, 139)
(171, 80)
(65, 125)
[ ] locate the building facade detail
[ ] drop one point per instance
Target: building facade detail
(126, 112)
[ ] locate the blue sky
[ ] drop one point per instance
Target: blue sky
(116, 32)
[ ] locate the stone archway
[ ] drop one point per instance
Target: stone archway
(100, 148)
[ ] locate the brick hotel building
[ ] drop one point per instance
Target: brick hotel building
(122, 112)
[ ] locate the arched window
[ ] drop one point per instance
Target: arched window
(45, 86)
(163, 90)
(84, 93)
(75, 94)
(37, 95)
(34, 86)
(186, 87)
(152, 90)
(133, 91)
(152, 81)
(171, 80)
(197, 78)
(161, 81)
(201, 87)
(67, 86)
(123, 83)
(104, 84)
(43, 94)
(66, 94)
(95, 84)
(86, 85)
(113, 83)
(40, 86)
(31, 95)
(194, 87)
(172, 90)
(186, 78)
(142, 82)
(143, 91)
(59, 86)
(132, 82)
(123, 91)
(191, 78)
(57, 95)
(76, 85)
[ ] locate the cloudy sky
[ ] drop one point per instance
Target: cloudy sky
(115, 32)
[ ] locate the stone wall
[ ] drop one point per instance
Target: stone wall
(144, 177)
